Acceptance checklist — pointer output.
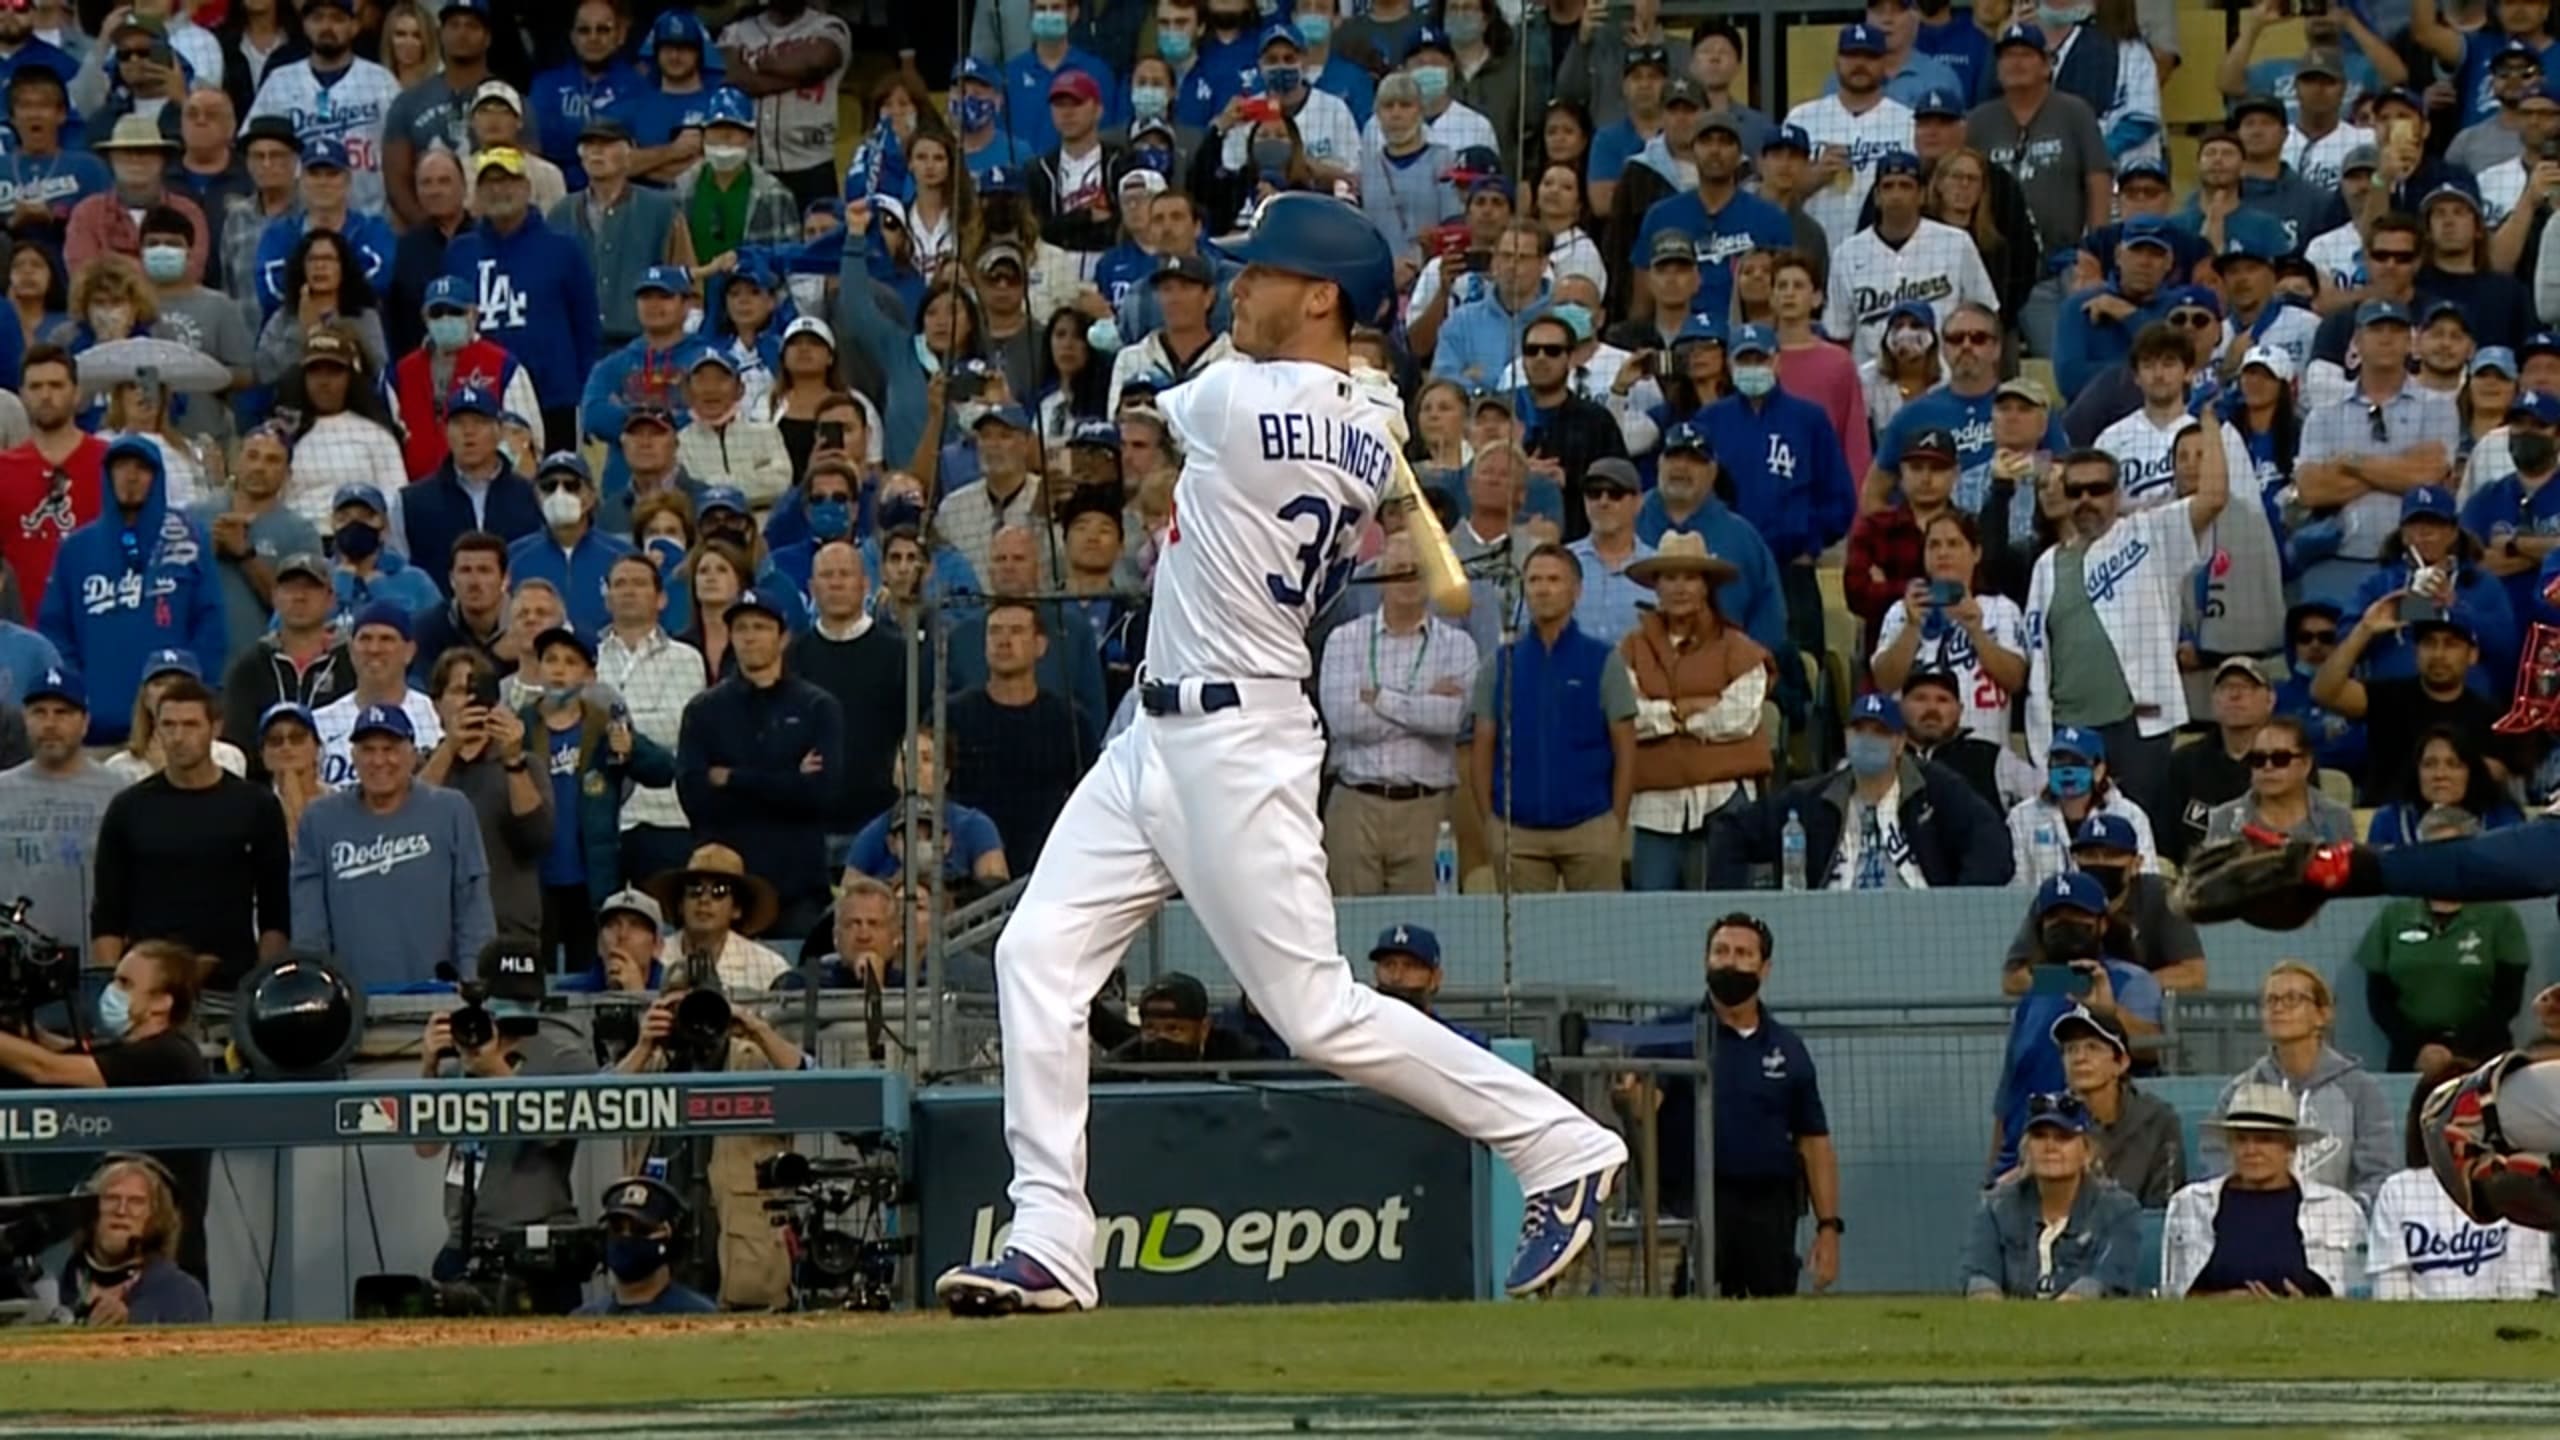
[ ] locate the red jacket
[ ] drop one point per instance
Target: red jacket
(47, 503)
(101, 224)
(483, 362)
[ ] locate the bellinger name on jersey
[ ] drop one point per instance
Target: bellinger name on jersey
(1327, 440)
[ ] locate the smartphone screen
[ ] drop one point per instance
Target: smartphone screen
(831, 434)
(1943, 593)
(2051, 980)
(484, 691)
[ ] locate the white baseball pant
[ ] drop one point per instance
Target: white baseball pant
(1221, 808)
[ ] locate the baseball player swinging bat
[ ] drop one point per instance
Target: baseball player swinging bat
(1211, 792)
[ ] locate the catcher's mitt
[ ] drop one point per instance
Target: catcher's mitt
(2264, 879)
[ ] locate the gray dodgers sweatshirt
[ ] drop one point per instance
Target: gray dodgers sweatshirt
(391, 896)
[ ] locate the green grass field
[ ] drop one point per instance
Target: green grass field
(1569, 1348)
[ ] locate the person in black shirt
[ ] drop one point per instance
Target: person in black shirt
(1773, 1149)
(193, 854)
(863, 665)
(145, 1035)
(2397, 713)
(2215, 769)
(1017, 751)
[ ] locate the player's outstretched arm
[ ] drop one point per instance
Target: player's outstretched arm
(2521, 862)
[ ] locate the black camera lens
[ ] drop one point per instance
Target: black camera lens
(472, 1027)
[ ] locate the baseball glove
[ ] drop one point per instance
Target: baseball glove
(2267, 880)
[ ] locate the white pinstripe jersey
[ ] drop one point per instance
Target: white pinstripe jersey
(1884, 127)
(1869, 276)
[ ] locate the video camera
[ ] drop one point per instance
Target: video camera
(35, 969)
(29, 1226)
(502, 1271)
(843, 1264)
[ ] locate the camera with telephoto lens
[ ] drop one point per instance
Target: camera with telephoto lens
(35, 969)
(698, 1039)
(847, 1260)
(472, 1026)
(504, 1271)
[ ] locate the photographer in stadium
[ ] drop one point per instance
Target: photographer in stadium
(144, 1033)
(640, 1220)
(123, 1268)
(493, 1190)
(693, 1027)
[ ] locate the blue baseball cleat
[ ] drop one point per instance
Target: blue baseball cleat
(1013, 1285)
(1559, 1223)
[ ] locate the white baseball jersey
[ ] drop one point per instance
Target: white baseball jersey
(1986, 704)
(351, 111)
(2501, 186)
(1885, 126)
(2422, 1248)
(1284, 460)
(1326, 132)
(2146, 460)
(1870, 275)
(2290, 329)
(795, 129)
(337, 750)
(2134, 574)
(2338, 256)
(2320, 161)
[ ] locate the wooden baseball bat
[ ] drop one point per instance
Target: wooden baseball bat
(1443, 578)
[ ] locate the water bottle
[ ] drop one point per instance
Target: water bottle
(1791, 854)
(2048, 844)
(1444, 861)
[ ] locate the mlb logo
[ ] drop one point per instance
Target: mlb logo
(377, 1116)
(517, 965)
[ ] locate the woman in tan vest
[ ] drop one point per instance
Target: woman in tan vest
(1701, 692)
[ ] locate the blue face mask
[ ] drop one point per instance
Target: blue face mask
(1466, 29)
(668, 551)
(1870, 755)
(931, 363)
(1577, 317)
(1153, 157)
(449, 332)
(358, 541)
(1315, 29)
(1174, 45)
(1755, 380)
(115, 1012)
(1104, 336)
(901, 511)
(2058, 16)
(1282, 79)
(633, 1258)
(830, 519)
(1149, 102)
(1048, 25)
(558, 696)
(2070, 782)
(1270, 156)
(1433, 83)
(974, 112)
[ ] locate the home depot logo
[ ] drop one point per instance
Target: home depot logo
(1185, 1238)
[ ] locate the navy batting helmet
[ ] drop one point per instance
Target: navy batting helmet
(1323, 239)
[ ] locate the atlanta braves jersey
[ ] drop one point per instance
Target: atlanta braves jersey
(1885, 126)
(1285, 460)
(1937, 264)
(350, 109)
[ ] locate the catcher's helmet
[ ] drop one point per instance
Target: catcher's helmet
(1323, 239)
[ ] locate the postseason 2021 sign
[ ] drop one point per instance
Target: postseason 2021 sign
(1212, 1194)
(190, 1117)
